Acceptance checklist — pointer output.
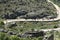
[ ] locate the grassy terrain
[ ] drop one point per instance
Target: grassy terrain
(22, 27)
(27, 26)
(4, 36)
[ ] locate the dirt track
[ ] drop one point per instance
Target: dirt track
(58, 17)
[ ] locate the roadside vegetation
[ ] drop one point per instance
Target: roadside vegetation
(14, 30)
(4, 36)
(56, 2)
(24, 26)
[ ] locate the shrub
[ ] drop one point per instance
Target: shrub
(14, 37)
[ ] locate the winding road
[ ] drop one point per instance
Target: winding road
(58, 17)
(45, 30)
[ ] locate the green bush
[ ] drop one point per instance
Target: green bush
(14, 37)
(1, 24)
(3, 36)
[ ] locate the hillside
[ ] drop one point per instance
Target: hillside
(45, 13)
(29, 9)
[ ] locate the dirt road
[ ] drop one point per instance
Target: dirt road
(58, 17)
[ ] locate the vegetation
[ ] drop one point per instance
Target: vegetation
(56, 2)
(22, 27)
(4, 36)
(11, 9)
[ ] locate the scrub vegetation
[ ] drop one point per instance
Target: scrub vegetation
(29, 9)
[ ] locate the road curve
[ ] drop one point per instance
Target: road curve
(58, 17)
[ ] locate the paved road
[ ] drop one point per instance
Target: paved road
(58, 17)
